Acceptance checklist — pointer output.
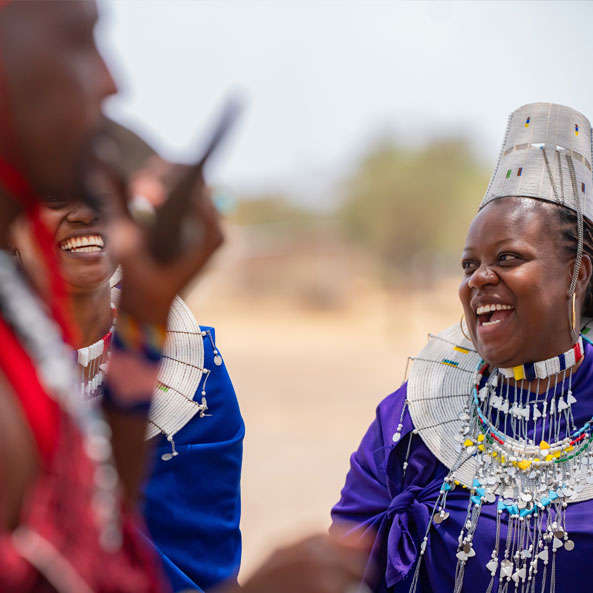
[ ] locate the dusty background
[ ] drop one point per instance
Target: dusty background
(308, 376)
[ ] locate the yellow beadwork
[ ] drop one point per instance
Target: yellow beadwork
(544, 445)
(519, 373)
(468, 443)
(524, 464)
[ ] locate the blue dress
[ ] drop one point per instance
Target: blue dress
(191, 503)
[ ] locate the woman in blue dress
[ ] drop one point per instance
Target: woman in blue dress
(477, 474)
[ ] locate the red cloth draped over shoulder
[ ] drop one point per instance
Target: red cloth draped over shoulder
(56, 546)
(41, 411)
(57, 540)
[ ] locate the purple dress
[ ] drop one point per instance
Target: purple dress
(378, 497)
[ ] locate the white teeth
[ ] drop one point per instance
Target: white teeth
(490, 323)
(490, 308)
(83, 244)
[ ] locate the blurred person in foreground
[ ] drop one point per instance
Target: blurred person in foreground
(477, 473)
(70, 477)
(191, 499)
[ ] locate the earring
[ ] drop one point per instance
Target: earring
(573, 322)
(462, 330)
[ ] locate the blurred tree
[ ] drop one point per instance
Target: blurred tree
(270, 209)
(412, 207)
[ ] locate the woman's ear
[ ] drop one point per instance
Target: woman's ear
(585, 271)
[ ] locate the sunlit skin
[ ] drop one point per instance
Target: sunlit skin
(512, 257)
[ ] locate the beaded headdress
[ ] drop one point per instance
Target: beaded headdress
(546, 148)
(547, 154)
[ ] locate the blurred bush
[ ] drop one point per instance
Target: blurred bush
(403, 216)
(271, 209)
(412, 208)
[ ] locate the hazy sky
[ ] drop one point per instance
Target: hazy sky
(325, 78)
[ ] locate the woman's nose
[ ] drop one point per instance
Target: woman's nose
(82, 214)
(483, 276)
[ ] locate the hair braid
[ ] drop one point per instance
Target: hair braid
(568, 233)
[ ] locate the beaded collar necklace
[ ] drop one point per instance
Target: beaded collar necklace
(176, 398)
(92, 362)
(551, 366)
(529, 458)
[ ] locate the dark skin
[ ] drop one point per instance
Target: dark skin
(54, 100)
(512, 258)
(54, 84)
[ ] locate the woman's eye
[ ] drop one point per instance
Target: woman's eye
(507, 257)
(54, 202)
(468, 266)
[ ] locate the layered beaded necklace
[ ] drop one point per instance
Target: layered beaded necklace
(530, 460)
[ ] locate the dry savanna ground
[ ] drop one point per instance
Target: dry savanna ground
(308, 381)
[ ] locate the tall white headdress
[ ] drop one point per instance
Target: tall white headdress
(547, 154)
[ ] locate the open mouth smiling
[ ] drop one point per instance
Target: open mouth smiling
(492, 314)
(83, 244)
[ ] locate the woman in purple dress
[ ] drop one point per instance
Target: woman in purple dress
(477, 474)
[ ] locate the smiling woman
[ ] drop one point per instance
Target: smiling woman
(477, 473)
(516, 282)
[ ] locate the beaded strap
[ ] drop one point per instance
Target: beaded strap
(133, 369)
(133, 336)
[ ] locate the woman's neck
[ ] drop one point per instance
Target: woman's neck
(92, 314)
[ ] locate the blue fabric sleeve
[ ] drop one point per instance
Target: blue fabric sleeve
(192, 502)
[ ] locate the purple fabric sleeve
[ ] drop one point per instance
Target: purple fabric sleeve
(380, 497)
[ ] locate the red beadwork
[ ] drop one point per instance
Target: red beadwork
(578, 354)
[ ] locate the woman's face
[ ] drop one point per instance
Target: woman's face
(81, 241)
(516, 283)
